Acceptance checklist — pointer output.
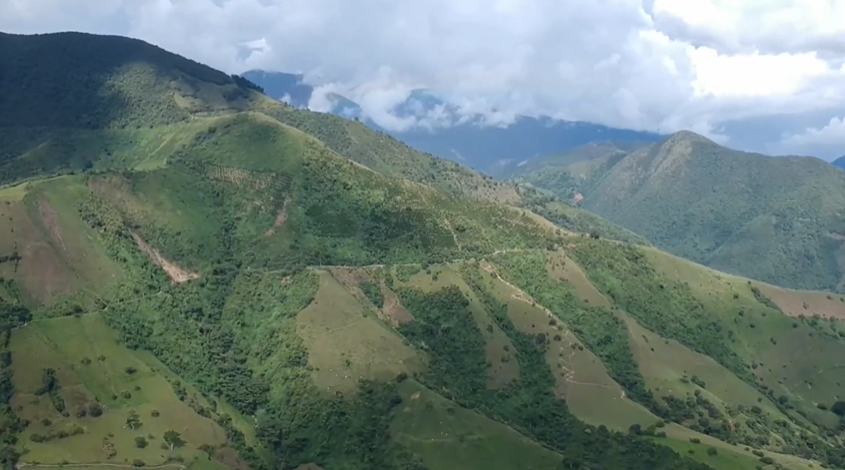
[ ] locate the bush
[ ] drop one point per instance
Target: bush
(711, 451)
(140, 442)
(138, 463)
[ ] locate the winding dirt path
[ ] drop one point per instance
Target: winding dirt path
(520, 295)
(454, 235)
(21, 465)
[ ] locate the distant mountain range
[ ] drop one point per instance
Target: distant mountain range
(470, 142)
(840, 162)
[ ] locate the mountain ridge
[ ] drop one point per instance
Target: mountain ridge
(468, 140)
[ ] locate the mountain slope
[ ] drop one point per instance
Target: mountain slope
(468, 140)
(304, 309)
(211, 252)
(773, 219)
(839, 162)
(571, 174)
(135, 96)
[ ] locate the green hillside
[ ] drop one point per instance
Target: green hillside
(571, 173)
(773, 219)
(133, 104)
(231, 283)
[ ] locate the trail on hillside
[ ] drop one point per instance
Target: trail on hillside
(382, 265)
(520, 295)
(22, 465)
(454, 235)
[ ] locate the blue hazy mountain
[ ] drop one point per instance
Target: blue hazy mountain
(467, 139)
(840, 162)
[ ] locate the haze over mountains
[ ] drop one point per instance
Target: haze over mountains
(457, 136)
(194, 275)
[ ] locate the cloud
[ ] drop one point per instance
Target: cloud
(826, 142)
(659, 65)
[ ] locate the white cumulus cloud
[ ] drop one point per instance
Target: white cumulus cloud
(718, 67)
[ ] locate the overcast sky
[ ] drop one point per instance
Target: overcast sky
(765, 75)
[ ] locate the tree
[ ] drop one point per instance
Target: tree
(133, 420)
(140, 442)
(838, 408)
(174, 439)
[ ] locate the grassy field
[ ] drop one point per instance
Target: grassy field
(58, 253)
(93, 371)
(799, 357)
(448, 437)
(346, 342)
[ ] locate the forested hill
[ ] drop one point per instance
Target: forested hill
(776, 219)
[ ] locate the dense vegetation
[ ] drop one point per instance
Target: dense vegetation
(12, 315)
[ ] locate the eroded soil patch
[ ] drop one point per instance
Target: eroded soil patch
(176, 274)
(51, 221)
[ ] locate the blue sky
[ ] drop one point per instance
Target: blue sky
(763, 75)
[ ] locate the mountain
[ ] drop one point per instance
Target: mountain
(571, 174)
(840, 162)
(775, 219)
(465, 138)
(197, 276)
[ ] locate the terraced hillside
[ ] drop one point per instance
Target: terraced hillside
(221, 289)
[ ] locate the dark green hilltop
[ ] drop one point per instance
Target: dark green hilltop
(196, 276)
